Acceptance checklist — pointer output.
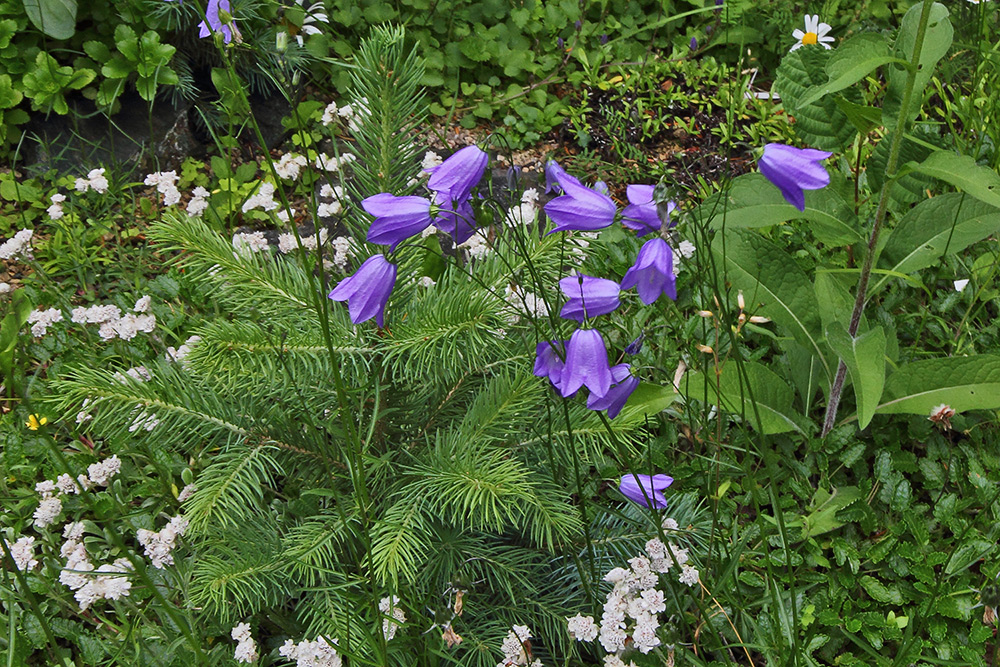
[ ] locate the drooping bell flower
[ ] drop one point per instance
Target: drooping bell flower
(641, 214)
(646, 490)
(602, 188)
(588, 297)
(218, 18)
(580, 208)
(615, 399)
(554, 174)
(457, 220)
(586, 364)
(548, 364)
(396, 218)
(653, 272)
(793, 170)
(367, 291)
(456, 176)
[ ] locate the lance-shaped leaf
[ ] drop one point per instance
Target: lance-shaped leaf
(864, 356)
(962, 171)
(852, 61)
(963, 383)
(937, 41)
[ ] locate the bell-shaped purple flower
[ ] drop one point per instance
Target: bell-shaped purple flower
(602, 187)
(456, 219)
(554, 175)
(614, 400)
(456, 176)
(580, 208)
(396, 218)
(215, 23)
(793, 170)
(586, 364)
(641, 214)
(653, 272)
(368, 290)
(548, 364)
(588, 297)
(646, 490)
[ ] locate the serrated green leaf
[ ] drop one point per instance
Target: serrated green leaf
(852, 61)
(821, 124)
(770, 276)
(962, 171)
(56, 18)
(864, 356)
(752, 201)
(763, 390)
(963, 383)
(967, 554)
(9, 97)
(950, 222)
(881, 592)
(823, 518)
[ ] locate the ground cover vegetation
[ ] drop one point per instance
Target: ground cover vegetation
(711, 378)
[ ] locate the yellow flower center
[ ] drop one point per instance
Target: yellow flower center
(810, 38)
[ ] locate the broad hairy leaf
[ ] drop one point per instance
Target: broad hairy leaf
(963, 383)
(762, 393)
(946, 223)
(851, 62)
(864, 356)
(937, 41)
(962, 171)
(819, 123)
(770, 277)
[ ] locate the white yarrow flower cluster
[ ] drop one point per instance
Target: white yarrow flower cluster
(389, 606)
(525, 303)
(113, 324)
(199, 202)
(100, 473)
(582, 628)
(55, 211)
(328, 163)
(107, 582)
(159, 546)
(179, 355)
(144, 420)
(290, 165)
(354, 113)
(166, 185)
(246, 647)
(95, 181)
(263, 199)
(516, 650)
(526, 212)
(18, 246)
(430, 161)
(329, 114)
(319, 653)
(41, 320)
(476, 245)
(246, 243)
(186, 492)
(23, 553)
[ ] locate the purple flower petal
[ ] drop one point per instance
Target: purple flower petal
(588, 297)
(396, 218)
(457, 221)
(367, 291)
(457, 175)
(641, 214)
(586, 364)
(581, 208)
(646, 490)
(653, 272)
(618, 394)
(793, 170)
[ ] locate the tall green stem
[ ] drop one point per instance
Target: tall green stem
(890, 173)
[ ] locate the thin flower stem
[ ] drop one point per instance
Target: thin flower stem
(890, 173)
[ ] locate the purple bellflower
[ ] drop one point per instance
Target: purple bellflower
(554, 175)
(548, 364)
(588, 297)
(646, 490)
(586, 364)
(793, 170)
(580, 208)
(602, 187)
(456, 219)
(368, 290)
(614, 400)
(641, 213)
(456, 176)
(396, 218)
(653, 272)
(214, 22)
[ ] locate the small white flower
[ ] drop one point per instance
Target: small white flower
(289, 166)
(47, 511)
(815, 33)
(329, 117)
(582, 628)
(41, 320)
(23, 553)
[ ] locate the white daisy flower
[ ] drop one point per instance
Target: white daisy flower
(816, 33)
(316, 13)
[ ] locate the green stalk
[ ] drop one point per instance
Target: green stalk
(890, 174)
